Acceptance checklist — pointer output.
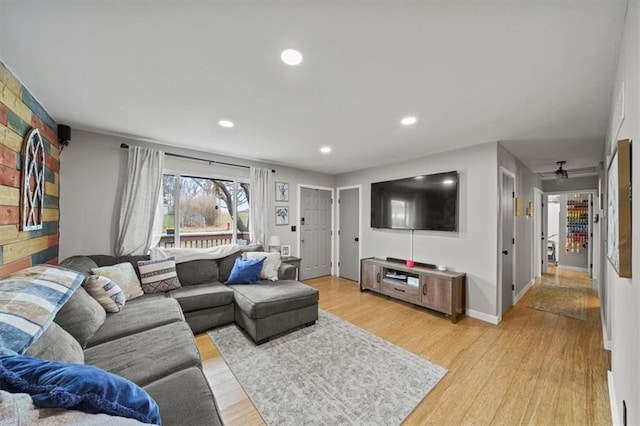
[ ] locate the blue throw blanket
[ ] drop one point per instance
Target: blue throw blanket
(29, 300)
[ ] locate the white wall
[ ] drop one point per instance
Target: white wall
(576, 184)
(624, 294)
(473, 249)
(93, 168)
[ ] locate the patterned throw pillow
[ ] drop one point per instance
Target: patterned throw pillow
(125, 276)
(158, 275)
(106, 292)
(270, 266)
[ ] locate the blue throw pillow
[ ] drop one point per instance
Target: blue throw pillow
(79, 387)
(246, 271)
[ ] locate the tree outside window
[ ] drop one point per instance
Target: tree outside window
(204, 212)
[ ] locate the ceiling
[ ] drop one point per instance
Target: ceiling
(535, 75)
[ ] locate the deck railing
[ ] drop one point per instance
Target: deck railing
(202, 239)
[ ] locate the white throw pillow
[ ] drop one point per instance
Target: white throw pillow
(270, 266)
(125, 276)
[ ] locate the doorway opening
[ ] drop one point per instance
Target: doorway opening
(569, 233)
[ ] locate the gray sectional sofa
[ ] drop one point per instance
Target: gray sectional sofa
(262, 311)
(151, 342)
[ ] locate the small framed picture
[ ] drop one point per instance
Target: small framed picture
(282, 215)
(285, 251)
(282, 191)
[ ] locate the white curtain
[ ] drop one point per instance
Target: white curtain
(260, 197)
(140, 221)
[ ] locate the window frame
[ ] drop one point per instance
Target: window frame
(176, 173)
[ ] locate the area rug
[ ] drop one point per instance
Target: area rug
(328, 374)
(566, 301)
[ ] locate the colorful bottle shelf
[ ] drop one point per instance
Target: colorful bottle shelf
(577, 225)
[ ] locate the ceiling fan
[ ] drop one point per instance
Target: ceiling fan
(561, 174)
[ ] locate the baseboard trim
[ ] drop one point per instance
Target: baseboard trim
(615, 419)
(605, 341)
(573, 268)
(482, 316)
(524, 291)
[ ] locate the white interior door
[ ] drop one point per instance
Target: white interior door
(349, 233)
(315, 233)
(507, 198)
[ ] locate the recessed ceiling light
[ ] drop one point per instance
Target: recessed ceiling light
(225, 123)
(291, 57)
(448, 182)
(325, 149)
(419, 177)
(408, 121)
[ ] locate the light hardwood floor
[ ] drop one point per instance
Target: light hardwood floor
(533, 368)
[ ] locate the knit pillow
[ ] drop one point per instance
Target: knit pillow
(270, 266)
(125, 276)
(106, 292)
(158, 275)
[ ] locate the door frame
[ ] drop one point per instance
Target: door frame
(338, 207)
(333, 220)
(538, 257)
(505, 172)
(592, 259)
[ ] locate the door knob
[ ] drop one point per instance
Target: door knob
(505, 252)
(356, 239)
(302, 240)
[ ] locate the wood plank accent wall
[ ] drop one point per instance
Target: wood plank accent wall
(19, 112)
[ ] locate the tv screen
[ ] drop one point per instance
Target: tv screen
(425, 202)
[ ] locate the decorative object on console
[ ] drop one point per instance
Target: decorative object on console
(410, 263)
(282, 191)
(282, 215)
(274, 243)
(285, 250)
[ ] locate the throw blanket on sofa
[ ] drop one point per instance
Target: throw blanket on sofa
(188, 254)
(19, 409)
(29, 300)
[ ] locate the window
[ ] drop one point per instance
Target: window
(201, 212)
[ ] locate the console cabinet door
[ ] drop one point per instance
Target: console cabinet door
(370, 276)
(436, 293)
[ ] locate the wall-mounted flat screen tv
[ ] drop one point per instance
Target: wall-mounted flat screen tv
(425, 202)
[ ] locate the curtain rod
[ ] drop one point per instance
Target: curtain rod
(125, 146)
